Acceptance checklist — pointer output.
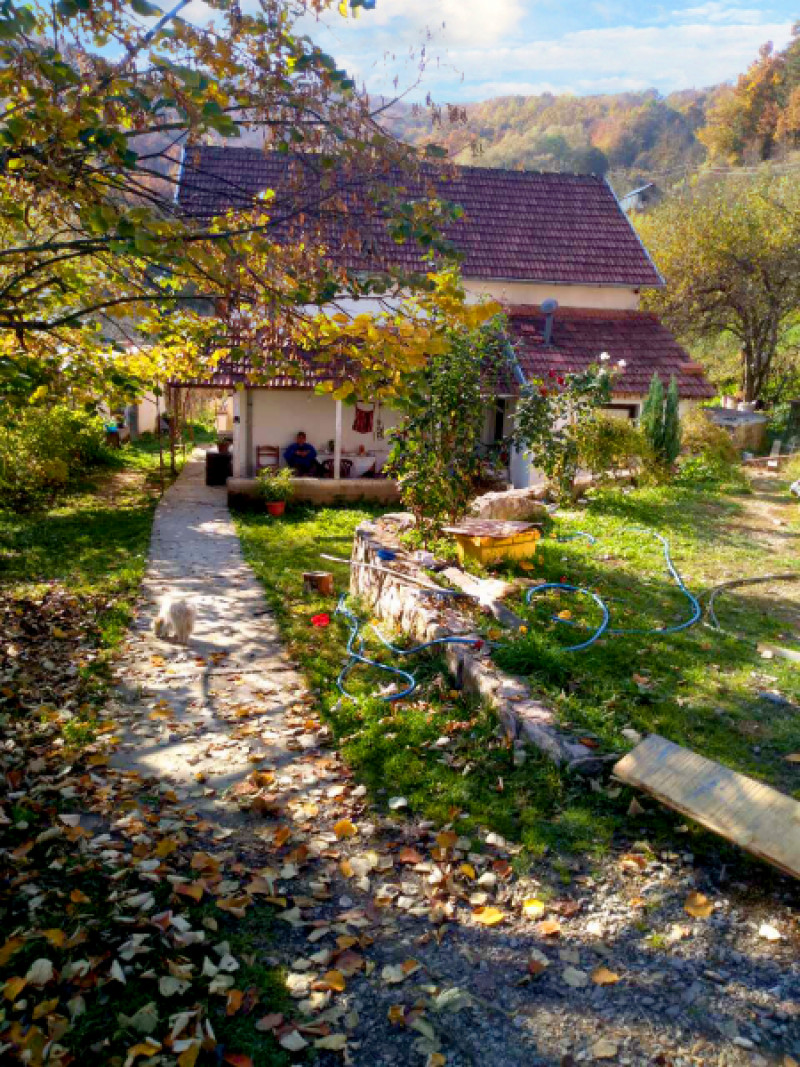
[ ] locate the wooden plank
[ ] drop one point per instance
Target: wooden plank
(489, 528)
(740, 809)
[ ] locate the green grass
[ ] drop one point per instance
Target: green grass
(698, 688)
(392, 746)
(92, 544)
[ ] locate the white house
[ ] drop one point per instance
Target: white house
(526, 239)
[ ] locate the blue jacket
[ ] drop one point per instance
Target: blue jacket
(304, 454)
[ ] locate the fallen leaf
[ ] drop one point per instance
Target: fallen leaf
(533, 908)
(409, 856)
(334, 980)
(603, 976)
(14, 944)
(698, 906)
(234, 1002)
(548, 928)
(77, 897)
(769, 932)
(604, 1049)
(397, 1014)
(446, 840)
(13, 987)
(344, 828)
(436, 1059)
(237, 1059)
(575, 978)
(143, 1048)
(188, 1058)
(40, 973)
(333, 1042)
(293, 1041)
(269, 1022)
(537, 962)
(489, 916)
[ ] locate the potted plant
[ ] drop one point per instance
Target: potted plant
(276, 487)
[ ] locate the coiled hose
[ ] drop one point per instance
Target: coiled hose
(694, 603)
(355, 652)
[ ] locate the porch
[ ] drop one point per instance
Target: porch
(243, 492)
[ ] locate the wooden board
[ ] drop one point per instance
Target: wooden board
(489, 528)
(751, 815)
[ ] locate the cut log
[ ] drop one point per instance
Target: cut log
(319, 581)
(740, 809)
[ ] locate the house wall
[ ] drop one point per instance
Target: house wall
(279, 414)
(619, 298)
(605, 297)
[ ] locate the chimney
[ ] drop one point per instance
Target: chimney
(549, 307)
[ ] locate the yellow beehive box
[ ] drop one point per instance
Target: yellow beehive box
(494, 540)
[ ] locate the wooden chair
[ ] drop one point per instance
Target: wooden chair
(267, 456)
(345, 466)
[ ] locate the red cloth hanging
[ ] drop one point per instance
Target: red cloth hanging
(362, 422)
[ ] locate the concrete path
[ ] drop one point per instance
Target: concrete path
(201, 717)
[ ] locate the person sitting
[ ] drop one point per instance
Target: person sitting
(302, 457)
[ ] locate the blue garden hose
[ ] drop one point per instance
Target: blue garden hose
(601, 629)
(355, 652)
(604, 625)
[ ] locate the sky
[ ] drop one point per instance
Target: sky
(477, 49)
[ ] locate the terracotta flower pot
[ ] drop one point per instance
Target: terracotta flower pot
(276, 507)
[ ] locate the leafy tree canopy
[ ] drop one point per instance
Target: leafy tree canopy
(100, 98)
(730, 254)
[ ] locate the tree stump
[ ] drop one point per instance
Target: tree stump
(319, 581)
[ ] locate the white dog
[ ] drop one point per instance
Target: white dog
(176, 618)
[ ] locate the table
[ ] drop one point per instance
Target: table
(362, 462)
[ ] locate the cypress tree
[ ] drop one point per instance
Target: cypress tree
(652, 419)
(672, 423)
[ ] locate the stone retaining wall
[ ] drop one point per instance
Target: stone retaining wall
(426, 617)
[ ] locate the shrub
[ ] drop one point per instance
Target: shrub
(607, 445)
(551, 418)
(702, 437)
(276, 486)
(43, 449)
(709, 456)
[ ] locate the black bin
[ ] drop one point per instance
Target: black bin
(219, 467)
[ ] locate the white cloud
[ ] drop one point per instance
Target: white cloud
(717, 12)
(397, 24)
(601, 60)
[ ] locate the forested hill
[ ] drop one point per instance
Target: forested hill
(633, 137)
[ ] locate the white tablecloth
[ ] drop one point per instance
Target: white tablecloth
(361, 463)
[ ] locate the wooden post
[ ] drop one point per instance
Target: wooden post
(160, 440)
(337, 443)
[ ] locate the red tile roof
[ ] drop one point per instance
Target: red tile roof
(580, 336)
(299, 372)
(517, 225)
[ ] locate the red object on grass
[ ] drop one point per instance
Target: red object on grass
(320, 620)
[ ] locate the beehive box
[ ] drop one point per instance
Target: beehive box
(494, 540)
